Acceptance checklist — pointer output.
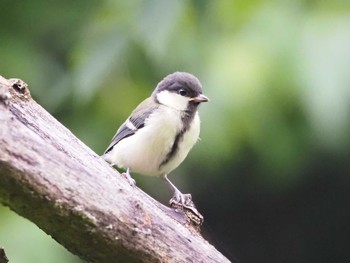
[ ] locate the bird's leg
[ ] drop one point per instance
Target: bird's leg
(127, 175)
(178, 198)
(185, 201)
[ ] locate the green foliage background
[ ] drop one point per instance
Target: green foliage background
(271, 173)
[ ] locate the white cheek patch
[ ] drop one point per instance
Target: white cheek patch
(172, 100)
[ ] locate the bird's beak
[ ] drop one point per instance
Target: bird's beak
(200, 98)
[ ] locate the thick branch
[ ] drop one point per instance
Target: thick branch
(50, 177)
(3, 258)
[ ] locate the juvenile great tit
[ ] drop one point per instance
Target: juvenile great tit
(160, 132)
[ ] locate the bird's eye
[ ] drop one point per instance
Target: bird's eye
(182, 92)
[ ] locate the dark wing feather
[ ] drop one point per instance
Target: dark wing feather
(122, 133)
(137, 118)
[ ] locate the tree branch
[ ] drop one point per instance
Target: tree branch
(50, 177)
(3, 258)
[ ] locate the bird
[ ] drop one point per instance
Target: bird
(157, 136)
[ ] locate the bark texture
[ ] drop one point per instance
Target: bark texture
(50, 177)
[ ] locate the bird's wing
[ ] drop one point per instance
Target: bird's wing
(135, 122)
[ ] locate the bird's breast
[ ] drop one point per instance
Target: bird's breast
(184, 145)
(145, 151)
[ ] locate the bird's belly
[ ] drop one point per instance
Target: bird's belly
(144, 151)
(189, 139)
(145, 156)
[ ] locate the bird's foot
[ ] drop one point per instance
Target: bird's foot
(184, 202)
(181, 199)
(128, 177)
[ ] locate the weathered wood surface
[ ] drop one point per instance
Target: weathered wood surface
(50, 177)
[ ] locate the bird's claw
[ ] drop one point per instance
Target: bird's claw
(181, 199)
(185, 203)
(128, 177)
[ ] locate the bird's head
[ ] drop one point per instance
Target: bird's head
(181, 91)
